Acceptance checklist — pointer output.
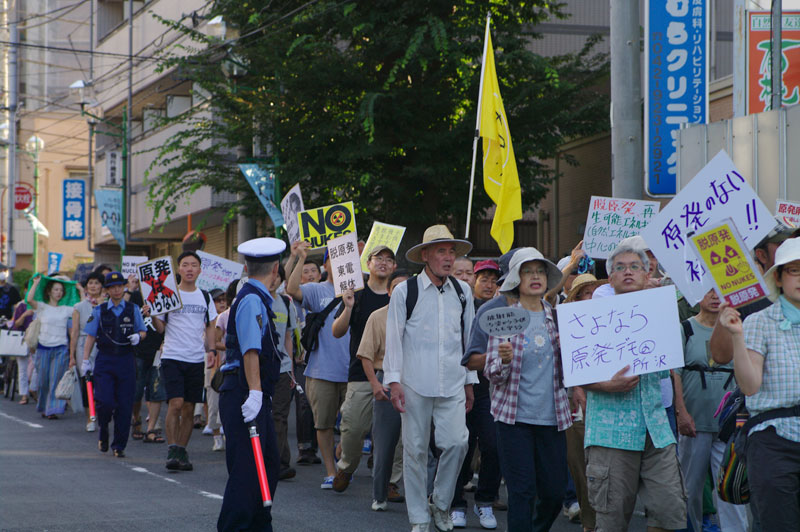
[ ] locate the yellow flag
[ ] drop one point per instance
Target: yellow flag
(500, 178)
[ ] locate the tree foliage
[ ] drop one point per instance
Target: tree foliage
(373, 102)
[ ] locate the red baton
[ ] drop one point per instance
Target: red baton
(262, 472)
(90, 395)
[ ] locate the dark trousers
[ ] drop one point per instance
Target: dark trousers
(773, 469)
(114, 382)
(304, 417)
(533, 459)
(483, 435)
(281, 404)
(242, 507)
(386, 432)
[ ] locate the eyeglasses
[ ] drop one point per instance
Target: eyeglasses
(383, 260)
(634, 267)
(793, 271)
(536, 271)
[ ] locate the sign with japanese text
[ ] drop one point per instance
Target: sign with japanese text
(217, 272)
(717, 192)
(676, 84)
(343, 254)
(129, 263)
(54, 262)
(291, 204)
(611, 220)
(109, 208)
(73, 225)
(736, 277)
(159, 286)
(113, 170)
(505, 322)
(262, 180)
(759, 60)
(23, 196)
(318, 226)
(788, 213)
(599, 337)
(382, 235)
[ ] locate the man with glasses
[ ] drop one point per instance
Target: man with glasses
(629, 443)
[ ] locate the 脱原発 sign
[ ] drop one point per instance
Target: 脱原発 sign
(317, 226)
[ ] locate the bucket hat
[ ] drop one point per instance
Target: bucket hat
(522, 256)
(788, 252)
(437, 234)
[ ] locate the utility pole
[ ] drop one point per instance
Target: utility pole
(776, 49)
(627, 166)
(13, 102)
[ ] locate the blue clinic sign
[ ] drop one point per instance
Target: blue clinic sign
(262, 180)
(676, 84)
(73, 225)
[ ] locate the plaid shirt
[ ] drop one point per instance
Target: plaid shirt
(505, 377)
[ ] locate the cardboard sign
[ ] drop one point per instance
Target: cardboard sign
(599, 337)
(717, 192)
(129, 263)
(343, 254)
(611, 220)
(217, 272)
(788, 212)
(318, 226)
(505, 322)
(382, 235)
(736, 277)
(159, 286)
(291, 205)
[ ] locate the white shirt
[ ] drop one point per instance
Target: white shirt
(424, 353)
(53, 331)
(184, 337)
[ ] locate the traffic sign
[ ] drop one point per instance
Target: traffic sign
(23, 196)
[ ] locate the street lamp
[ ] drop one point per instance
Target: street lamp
(33, 146)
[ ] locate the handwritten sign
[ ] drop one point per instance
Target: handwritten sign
(599, 337)
(382, 235)
(129, 263)
(611, 220)
(318, 226)
(505, 322)
(343, 254)
(717, 192)
(788, 212)
(291, 205)
(217, 272)
(737, 279)
(159, 286)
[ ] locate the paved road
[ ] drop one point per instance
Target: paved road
(52, 478)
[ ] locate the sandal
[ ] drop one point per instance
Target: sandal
(137, 431)
(152, 436)
(24, 400)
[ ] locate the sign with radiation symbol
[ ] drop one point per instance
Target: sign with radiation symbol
(319, 225)
(727, 261)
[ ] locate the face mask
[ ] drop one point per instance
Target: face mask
(3, 276)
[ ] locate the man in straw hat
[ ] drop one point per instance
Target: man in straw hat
(427, 327)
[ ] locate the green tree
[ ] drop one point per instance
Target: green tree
(374, 102)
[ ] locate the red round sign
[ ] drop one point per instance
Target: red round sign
(23, 197)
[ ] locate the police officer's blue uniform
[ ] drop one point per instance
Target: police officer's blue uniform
(114, 374)
(250, 326)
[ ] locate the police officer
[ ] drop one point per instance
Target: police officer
(116, 326)
(251, 370)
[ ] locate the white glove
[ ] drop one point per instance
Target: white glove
(86, 366)
(134, 338)
(252, 406)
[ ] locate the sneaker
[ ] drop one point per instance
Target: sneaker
(172, 458)
(486, 516)
(341, 481)
(198, 422)
(709, 525)
(441, 518)
(207, 431)
(394, 493)
(379, 506)
(425, 527)
(470, 487)
(219, 444)
(183, 460)
(327, 483)
(367, 447)
(459, 518)
(91, 426)
(574, 512)
(287, 473)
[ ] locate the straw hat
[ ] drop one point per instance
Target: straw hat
(582, 281)
(522, 256)
(788, 252)
(437, 234)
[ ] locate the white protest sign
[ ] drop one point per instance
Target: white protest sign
(129, 263)
(159, 286)
(599, 337)
(718, 191)
(788, 212)
(345, 263)
(505, 322)
(291, 204)
(613, 219)
(217, 272)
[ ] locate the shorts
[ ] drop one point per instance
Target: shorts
(183, 379)
(149, 378)
(325, 397)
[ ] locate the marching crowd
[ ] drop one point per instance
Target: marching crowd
(409, 380)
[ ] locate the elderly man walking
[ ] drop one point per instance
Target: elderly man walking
(427, 327)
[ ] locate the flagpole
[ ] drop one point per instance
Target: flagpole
(477, 125)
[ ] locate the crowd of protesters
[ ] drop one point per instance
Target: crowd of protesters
(404, 374)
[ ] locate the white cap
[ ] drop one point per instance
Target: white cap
(264, 249)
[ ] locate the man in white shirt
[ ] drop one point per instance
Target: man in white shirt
(189, 338)
(423, 368)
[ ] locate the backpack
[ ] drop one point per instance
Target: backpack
(207, 297)
(413, 295)
(309, 338)
(688, 331)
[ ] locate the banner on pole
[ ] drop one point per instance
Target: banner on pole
(262, 180)
(159, 286)
(291, 204)
(109, 207)
(343, 254)
(611, 220)
(318, 226)
(54, 262)
(382, 235)
(217, 272)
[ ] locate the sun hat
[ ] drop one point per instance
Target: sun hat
(788, 252)
(582, 281)
(437, 234)
(522, 256)
(487, 265)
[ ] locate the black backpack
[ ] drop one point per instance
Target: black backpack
(309, 338)
(413, 295)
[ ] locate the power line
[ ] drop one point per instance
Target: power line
(70, 50)
(56, 10)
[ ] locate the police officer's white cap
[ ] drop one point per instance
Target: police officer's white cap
(264, 249)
